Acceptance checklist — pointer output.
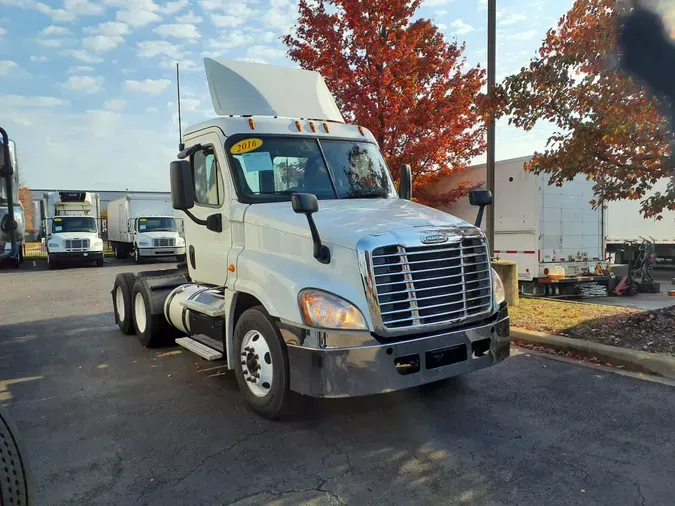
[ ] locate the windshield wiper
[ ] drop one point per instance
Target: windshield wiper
(280, 192)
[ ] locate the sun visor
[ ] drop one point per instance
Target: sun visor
(242, 88)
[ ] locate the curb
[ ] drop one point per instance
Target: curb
(633, 360)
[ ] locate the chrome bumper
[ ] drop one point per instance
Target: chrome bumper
(162, 251)
(379, 368)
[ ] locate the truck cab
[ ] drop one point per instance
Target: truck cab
(70, 223)
(155, 237)
(306, 270)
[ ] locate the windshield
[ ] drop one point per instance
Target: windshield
(273, 168)
(157, 224)
(73, 224)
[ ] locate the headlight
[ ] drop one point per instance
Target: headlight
(498, 288)
(180, 242)
(143, 243)
(327, 311)
(53, 244)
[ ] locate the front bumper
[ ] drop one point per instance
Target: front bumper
(162, 251)
(75, 255)
(379, 368)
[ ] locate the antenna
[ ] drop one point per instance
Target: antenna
(181, 146)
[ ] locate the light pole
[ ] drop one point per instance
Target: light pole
(491, 63)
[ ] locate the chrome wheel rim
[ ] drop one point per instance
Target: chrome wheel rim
(139, 312)
(256, 363)
(119, 302)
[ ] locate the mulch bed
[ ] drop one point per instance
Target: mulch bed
(651, 331)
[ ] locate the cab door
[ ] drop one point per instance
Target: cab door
(207, 250)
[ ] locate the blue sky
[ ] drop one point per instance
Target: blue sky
(87, 87)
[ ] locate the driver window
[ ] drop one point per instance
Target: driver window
(205, 177)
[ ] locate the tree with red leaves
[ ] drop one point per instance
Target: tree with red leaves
(610, 128)
(26, 199)
(399, 78)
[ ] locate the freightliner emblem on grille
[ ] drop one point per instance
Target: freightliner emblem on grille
(434, 238)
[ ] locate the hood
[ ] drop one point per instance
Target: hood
(74, 235)
(344, 222)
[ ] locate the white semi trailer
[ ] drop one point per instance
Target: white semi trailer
(371, 294)
(71, 225)
(144, 225)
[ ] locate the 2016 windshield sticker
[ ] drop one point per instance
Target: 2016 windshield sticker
(57, 219)
(245, 146)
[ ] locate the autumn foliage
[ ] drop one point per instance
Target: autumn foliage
(609, 127)
(400, 79)
(26, 199)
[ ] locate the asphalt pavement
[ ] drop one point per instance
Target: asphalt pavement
(106, 421)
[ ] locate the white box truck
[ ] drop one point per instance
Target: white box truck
(144, 225)
(71, 221)
(624, 223)
(543, 228)
(372, 293)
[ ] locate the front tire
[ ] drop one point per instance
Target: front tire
(121, 295)
(51, 265)
(137, 256)
(261, 366)
(99, 262)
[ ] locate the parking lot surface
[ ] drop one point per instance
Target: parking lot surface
(106, 421)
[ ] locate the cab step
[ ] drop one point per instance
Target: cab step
(200, 349)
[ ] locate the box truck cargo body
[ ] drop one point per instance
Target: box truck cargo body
(145, 226)
(539, 226)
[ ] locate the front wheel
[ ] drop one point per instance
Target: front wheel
(99, 262)
(137, 256)
(261, 367)
(50, 262)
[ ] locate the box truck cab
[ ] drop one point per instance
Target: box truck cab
(12, 222)
(144, 225)
(71, 225)
(306, 271)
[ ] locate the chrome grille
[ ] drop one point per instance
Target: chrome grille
(164, 242)
(77, 243)
(431, 285)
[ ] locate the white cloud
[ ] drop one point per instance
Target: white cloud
(83, 7)
(2, 31)
(80, 69)
(82, 55)
(58, 15)
(84, 84)
(185, 65)
(178, 31)
(54, 30)
(461, 28)
(174, 7)
(189, 17)
(39, 59)
(115, 105)
(212, 5)
(149, 86)
(432, 3)
(528, 35)
(264, 52)
(137, 17)
(482, 5)
(280, 19)
(512, 19)
(6, 66)
(152, 48)
(233, 39)
(151, 109)
(226, 21)
(110, 28)
(51, 43)
(101, 43)
(21, 101)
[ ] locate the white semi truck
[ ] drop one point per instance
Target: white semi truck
(371, 294)
(144, 225)
(12, 221)
(71, 225)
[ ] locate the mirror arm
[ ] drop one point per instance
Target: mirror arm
(321, 251)
(479, 218)
(195, 219)
(187, 152)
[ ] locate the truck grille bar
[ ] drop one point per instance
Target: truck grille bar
(424, 285)
(164, 242)
(77, 243)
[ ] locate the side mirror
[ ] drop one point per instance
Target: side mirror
(480, 198)
(182, 195)
(305, 203)
(406, 182)
(308, 204)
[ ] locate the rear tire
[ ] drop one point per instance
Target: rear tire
(121, 295)
(16, 482)
(119, 255)
(271, 398)
(152, 330)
